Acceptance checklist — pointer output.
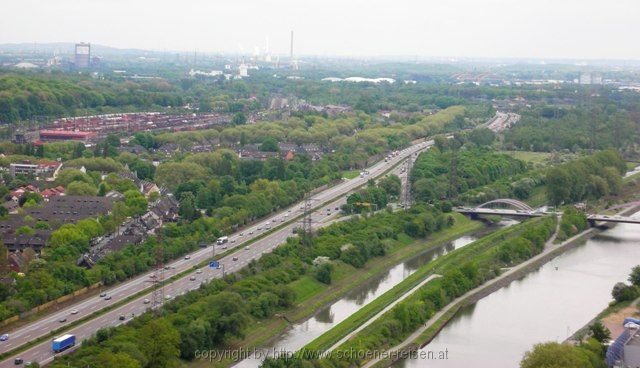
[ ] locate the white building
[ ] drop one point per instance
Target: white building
(243, 70)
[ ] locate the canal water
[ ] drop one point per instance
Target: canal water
(303, 333)
(549, 304)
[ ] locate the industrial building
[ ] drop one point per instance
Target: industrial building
(83, 55)
(65, 135)
(624, 352)
(45, 169)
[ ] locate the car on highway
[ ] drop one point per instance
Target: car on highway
(241, 234)
(108, 297)
(282, 220)
(192, 278)
(274, 220)
(103, 294)
(246, 248)
(235, 258)
(187, 257)
(74, 311)
(18, 361)
(233, 240)
(259, 228)
(4, 337)
(122, 317)
(62, 319)
(146, 301)
(198, 271)
(250, 232)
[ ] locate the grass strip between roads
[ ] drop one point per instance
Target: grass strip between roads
(329, 338)
(175, 277)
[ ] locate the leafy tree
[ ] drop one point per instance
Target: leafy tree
(135, 201)
(599, 332)
(27, 230)
(622, 292)
(634, 276)
(159, 343)
(323, 273)
(391, 184)
(269, 145)
(555, 355)
(482, 136)
(239, 118)
(81, 188)
(188, 209)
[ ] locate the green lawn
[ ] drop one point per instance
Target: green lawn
(350, 174)
(306, 287)
(533, 157)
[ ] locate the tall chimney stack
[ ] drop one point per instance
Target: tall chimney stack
(291, 53)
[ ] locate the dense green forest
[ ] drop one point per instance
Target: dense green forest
(587, 178)
(432, 179)
(555, 128)
(24, 97)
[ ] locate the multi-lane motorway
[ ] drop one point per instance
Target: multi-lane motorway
(323, 204)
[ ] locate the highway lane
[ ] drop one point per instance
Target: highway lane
(42, 352)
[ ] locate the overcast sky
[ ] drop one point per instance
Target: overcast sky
(545, 29)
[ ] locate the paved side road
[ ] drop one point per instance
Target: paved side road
(385, 310)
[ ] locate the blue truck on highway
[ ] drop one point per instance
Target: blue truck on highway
(63, 342)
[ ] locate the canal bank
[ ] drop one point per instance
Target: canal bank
(300, 334)
(501, 336)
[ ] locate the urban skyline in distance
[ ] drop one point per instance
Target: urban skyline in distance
(494, 29)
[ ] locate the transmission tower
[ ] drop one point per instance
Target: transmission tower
(407, 186)
(157, 296)
(453, 173)
(306, 219)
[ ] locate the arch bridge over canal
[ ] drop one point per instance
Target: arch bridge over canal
(516, 208)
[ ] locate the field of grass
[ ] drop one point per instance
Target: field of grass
(306, 287)
(350, 174)
(536, 158)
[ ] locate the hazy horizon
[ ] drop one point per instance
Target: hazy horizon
(460, 28)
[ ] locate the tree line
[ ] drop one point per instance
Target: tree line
(586, 178)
